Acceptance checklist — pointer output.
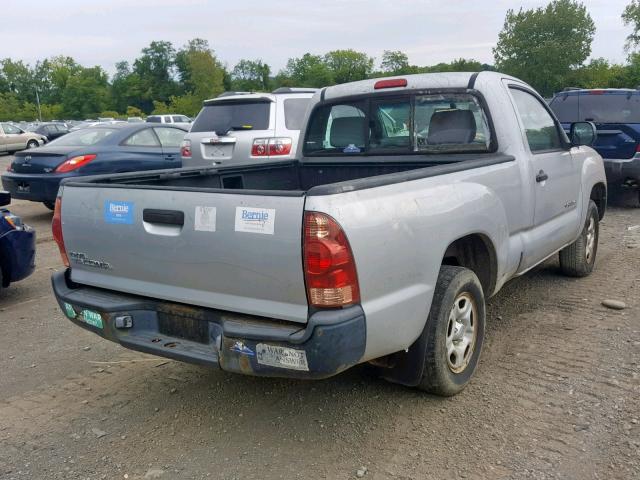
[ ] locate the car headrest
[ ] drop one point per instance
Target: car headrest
(452, 126)
(347, 131)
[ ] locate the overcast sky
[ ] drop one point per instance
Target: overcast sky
(103, 32)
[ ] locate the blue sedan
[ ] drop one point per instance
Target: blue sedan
(35, 174)
(17, 246)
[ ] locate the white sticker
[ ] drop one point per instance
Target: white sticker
(255, 220)
(282, 357)
(205, 219)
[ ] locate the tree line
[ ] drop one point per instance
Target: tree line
(547, 47)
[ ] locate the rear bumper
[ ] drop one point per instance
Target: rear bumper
(621, 171)
(19, 250)
(34, 187)
(330, 342)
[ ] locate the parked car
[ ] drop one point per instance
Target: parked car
(13, 138)
(36, 174)
(411, 200)
(616, 114)
(17, 246)
(172, 119)
(240, 127)
(52, 130)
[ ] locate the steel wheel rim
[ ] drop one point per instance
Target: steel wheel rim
(461, 332)
(591, 240)
(31, 145)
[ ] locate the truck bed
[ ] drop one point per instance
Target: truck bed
(294, 178)
(226, 238)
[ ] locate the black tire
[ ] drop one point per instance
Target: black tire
(576, 260)
(32, 144)
(440, 377)
(50, 205)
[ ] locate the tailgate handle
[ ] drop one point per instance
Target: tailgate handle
(164, 217)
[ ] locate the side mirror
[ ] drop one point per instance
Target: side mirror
(583, 133)
(5, 198)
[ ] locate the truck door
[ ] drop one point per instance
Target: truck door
(555, 178)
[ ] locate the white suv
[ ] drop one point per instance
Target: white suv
(173, 119)
(241, 127)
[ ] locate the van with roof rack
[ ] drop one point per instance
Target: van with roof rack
(240, 127)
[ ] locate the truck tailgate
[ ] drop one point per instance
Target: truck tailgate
(236, 252)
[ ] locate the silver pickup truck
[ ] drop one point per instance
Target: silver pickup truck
(410, 202)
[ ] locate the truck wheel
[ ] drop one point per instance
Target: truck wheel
(454, 332)
(578, 259)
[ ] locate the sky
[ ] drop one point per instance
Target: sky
(104, 32)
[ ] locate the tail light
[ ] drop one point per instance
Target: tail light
(56, 228)
(185, 149)
(391, 83)
(329, 266)
(74, 163)
(271, 147)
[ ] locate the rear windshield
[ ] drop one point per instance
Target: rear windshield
(225, 116)
(294, 110)
(434, 123)
(82, 138)
(606, 107)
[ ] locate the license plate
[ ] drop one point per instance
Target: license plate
(282, 357)
(92, 318)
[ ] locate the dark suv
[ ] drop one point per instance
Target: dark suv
(616, 113)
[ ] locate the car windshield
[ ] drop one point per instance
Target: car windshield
(84, 137)
(597, 106)
(434, 123)
(220, 117)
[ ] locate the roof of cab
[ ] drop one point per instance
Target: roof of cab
(414, 82)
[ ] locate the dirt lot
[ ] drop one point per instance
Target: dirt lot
(557, 394)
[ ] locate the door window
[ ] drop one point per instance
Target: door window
(143, 138)
(170, 137)
(10, 129)
(539, 126)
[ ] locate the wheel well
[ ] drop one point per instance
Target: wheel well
(599, 197)
(475, 252)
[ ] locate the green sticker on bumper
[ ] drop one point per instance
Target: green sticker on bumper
(69, 310)
(92, 318)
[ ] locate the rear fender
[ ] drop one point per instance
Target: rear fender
(399, 234)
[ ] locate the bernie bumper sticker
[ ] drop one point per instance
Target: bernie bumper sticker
(255, 220)
(118, 212)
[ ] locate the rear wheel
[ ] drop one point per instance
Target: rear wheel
(454, 332)
(32, 144)
(50, 205)
(578, 259)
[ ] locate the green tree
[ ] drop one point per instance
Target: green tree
(394, 62)
(542, 45)
(250, 75)
(348, 65)
(631, 17)
(306, 71)
(155, 71)
(134, 112)
(201, 74)
(86, 94)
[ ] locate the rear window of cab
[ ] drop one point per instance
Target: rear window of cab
(421, 123)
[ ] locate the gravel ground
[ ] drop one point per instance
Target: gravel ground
(556, 394)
